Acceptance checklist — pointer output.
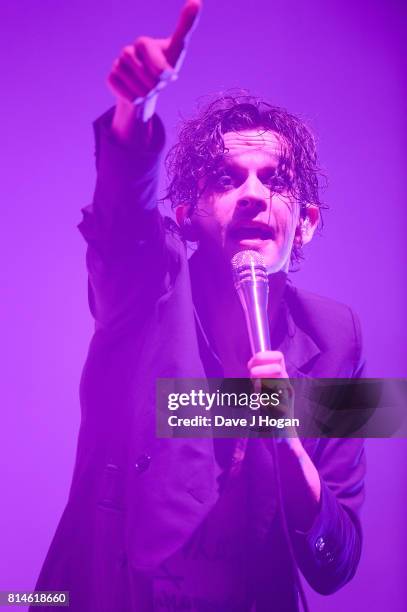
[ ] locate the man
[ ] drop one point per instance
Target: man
(157, 524)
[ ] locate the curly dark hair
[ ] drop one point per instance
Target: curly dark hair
(200, 148)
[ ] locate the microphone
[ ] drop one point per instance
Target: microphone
(251, 282)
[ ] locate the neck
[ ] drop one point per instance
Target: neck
(215, 274)
(221, 310)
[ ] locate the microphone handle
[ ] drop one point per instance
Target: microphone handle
(253, 295)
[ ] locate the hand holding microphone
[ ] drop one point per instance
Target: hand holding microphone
(251, 282)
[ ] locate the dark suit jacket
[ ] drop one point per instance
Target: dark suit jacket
(136, 499)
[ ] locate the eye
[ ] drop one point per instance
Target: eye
(223, 181)
(279, 182)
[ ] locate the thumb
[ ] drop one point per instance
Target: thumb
(187, 22)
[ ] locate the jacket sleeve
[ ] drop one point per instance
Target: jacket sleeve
(328, 554)
(126, 256)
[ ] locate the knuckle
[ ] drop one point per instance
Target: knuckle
(142, 42)
(128, 52)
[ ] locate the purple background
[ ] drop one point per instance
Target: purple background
(337, 63)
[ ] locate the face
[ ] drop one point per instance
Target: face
(247, 204)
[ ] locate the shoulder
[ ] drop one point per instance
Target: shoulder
(333, 326)
(321, 312)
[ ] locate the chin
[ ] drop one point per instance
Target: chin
(275, 262)
(273, 268)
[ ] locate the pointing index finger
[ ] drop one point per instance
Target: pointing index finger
(185, 26)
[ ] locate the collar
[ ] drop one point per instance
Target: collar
(297, 346)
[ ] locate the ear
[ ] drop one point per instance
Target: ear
(307, 225)
(183, 214)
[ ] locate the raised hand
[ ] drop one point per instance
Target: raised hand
(149, 64)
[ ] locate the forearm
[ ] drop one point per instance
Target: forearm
(301, 485)
(123, 227)
(127, 174)
(131, 124)
(322, 509)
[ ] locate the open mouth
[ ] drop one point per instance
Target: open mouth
(253, 231)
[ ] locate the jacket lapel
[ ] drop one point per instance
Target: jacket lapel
(298, 348)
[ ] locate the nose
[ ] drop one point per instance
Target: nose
(253, 196)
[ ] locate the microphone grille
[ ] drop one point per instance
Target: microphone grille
(247, 258)
(248, 265)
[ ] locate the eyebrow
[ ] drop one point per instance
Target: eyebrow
(232, 163)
